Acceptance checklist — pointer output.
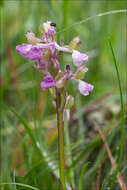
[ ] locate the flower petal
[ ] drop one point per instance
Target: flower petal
(79, 58)
(23, 48)
(30, 51)
(51, 45)
(84, 87)
(31, 38)
(47, 82)
(34, 53)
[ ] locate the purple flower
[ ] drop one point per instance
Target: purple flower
(79, 58)
(47, 82)
(30, 51)
(84, 87)
(50, 45)
(47, 53)
(33, 52)
(24, 48)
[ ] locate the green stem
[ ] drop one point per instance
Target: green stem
(68, 151)
(60, 126)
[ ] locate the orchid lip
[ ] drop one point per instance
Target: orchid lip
(47, 82)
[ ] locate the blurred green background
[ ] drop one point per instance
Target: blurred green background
(20, 90)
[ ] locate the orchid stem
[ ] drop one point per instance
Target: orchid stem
(60, 126)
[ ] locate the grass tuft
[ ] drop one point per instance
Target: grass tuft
(122, 118)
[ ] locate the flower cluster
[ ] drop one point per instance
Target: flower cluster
(46, 53)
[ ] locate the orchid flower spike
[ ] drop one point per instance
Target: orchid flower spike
(46, 52)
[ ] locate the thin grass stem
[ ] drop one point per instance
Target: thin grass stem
(122, 118)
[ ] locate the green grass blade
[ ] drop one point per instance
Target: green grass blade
(20, 184)
(26, 126)
(122, 117)
(92, 17)
(34, 142)
(80, 186)
(65, 6)
(88, 148)
(102, 186)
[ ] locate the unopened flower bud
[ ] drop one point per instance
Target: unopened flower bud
(68, 68)
(75, 43)
(31, 38)
(69, 102)
(79, 74)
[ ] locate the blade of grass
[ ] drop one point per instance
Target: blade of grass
(119, 177)
(122, 117)
(91, 174)
(49, 7)
(4, 157)
(26, 126)
(89, 147)
(52, 137)
(42, 155)
(96, 142)
(28, 130)
(80, 186)
(100, 169)
(35, 144)
(65, 5)
(20, 184)
(92, 17)
(102, 186)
